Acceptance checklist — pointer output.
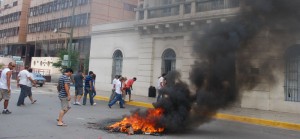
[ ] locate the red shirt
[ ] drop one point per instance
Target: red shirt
(129, 83)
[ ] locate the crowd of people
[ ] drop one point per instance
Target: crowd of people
(84, 85)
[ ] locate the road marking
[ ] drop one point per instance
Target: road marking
(229, 117)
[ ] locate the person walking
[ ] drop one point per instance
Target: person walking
(124, 86)
(64, 95)
(118, 96)
(94, 88)
(23, 80)
(78, 78)
(88, 88)
(113, 91)
(160, 85)
(5, 87)
(30, 84)
(129, 87)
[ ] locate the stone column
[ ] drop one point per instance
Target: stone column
(145, 65)
(193, 8)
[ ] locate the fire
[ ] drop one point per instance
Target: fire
(146, 124)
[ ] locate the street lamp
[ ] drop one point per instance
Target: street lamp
(70, 35)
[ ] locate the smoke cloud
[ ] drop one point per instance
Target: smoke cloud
(222, 69)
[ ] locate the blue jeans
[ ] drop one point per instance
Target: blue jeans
(118, 97)
(90, 92)
(23, 94)
(159, 95)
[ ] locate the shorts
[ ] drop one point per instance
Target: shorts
(65, 105)
(78, 91)
(29, 93)
(128, 91)
(4, 94)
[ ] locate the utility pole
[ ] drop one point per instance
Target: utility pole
(71, 35)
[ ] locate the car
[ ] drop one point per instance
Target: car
(40, 80)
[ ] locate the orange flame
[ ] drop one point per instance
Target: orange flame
(146, 124)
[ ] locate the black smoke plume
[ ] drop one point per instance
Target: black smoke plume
(222, 69)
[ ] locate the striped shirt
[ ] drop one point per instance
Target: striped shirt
(62, 81)
(87, 81)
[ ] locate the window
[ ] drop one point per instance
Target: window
(15, 3)
(117, 63)
(292, 72)
(129, 7)
(168, 61)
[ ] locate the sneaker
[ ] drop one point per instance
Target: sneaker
(77, 103)
(6, 112)
(94, 104)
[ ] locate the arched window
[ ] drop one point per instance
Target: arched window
(292, 74)
(117, 63)
(168, 61)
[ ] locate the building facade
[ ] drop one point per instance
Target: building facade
(13, 27)
(161, 40)
(45, 16)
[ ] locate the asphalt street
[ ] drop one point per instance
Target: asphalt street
(36, 121)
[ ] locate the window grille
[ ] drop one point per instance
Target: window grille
(117, 64)
(168, 61)
(292, 74)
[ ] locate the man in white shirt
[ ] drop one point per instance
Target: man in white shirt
(113, 91)
(5, 87)
(22, 81)
(160, 85)
(118, 96)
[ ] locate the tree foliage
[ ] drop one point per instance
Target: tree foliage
(74, 55)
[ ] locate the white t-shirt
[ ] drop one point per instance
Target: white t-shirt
(160, 80)
(3, 81)
(114, 82)
(23, 76)
(29, 82)
(118, 87)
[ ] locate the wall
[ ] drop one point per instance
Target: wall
(103, 45)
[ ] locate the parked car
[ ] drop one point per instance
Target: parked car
(40, 80)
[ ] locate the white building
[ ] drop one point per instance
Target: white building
(160, 40)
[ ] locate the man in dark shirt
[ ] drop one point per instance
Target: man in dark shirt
(88, 88)
(64, 95)
(79, 77)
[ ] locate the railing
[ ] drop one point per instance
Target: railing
(216, 5)
(163, 12)
(182, 8)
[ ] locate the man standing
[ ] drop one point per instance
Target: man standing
(23, 80)
(160, 85)
(64, 95)
(5, 87)
(129, 87)
(79, 77)
(118, 96)
(88, 88)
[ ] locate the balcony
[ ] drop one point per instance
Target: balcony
(190, 11)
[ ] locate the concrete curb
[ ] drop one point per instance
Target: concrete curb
(229, 117)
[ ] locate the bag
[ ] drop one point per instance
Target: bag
(152, 91)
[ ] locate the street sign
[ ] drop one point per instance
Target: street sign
(19, 62)
(64, 62)
(16, 58)
(66, 57)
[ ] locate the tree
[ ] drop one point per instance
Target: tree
(73, 58)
